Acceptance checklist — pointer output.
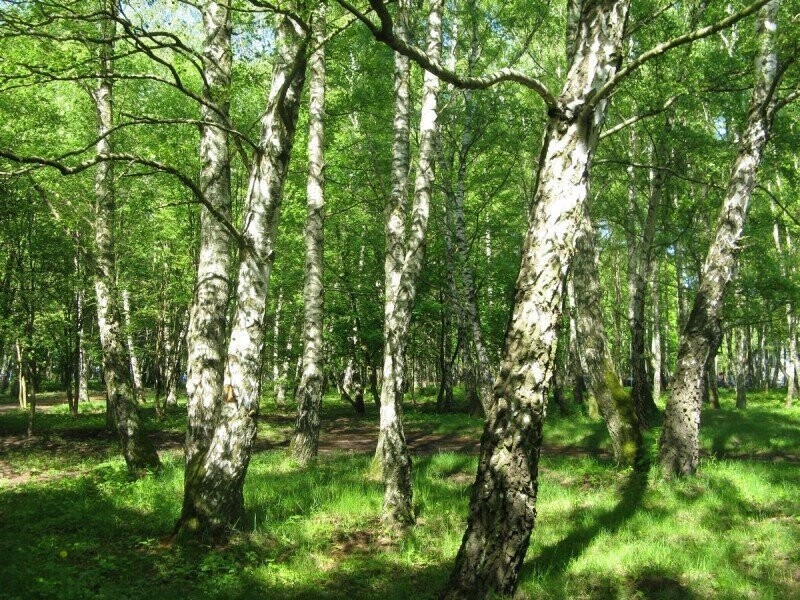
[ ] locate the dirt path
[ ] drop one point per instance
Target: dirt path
(343, 434)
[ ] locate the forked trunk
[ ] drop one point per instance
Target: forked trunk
(214, 480)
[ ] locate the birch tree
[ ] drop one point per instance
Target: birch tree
(404, 257)
(309, 391)
(208, 314)
(137, 448)
(679, 444)
(614, 402)
(214, 480)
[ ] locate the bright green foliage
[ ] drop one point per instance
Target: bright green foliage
(82, 526)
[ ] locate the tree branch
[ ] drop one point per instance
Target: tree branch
(636, 118)
(664, 47)
(132, 159)
(385, 33)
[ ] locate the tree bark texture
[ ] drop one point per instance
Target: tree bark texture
(136, 372)
(207, 330)
(679, 444)
(503, 504)
(137, 448)
(213, 500)
(614, 402)
(309, 391)
(404, 257)
(206, 335)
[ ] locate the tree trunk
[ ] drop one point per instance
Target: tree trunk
(137, 449)
(404, 258)
(614, 402)
(639, 251)
(136, 373)
(468, 294)
(22, 379)
(741, 368)
(205, 337)
(790, 362)
(82, 368)
(309, 392)
(503, 505)
(655, 344)
(214, 480)
(679, 444)
(444, 398)
(713, 390)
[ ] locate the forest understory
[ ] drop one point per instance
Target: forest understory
(73, 524)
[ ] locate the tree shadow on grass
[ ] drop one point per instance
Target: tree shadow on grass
(757, 432)
(555, 558)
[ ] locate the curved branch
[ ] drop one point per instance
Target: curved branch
(132, 159)
(385, 33)
(664, 47)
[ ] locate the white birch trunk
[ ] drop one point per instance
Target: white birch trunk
(215, 477)
(82, 374)
(655, 341)
(503, 504)
(309, 391)
(404, 258)
(137, 449)
(136, 373)
(679, 445)
(208, 312)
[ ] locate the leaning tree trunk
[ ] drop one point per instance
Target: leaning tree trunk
(214, 480)
(679, 445)
(614, 402)
(309, 391)
(137, 449)
(207, 329)
(503, 505)
(404, 257)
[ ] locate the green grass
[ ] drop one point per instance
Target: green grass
(79, 528)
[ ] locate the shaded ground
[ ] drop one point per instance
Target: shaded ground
(339, 434)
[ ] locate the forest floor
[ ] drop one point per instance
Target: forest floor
(72, 525)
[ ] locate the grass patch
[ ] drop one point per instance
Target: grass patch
(76, 527)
